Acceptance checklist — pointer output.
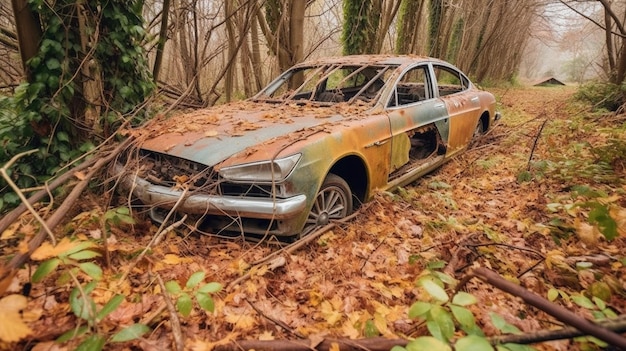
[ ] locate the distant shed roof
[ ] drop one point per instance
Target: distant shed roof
(548, 81)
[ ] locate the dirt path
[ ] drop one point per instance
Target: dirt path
(359, 279)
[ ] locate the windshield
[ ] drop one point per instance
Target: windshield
(329, 84)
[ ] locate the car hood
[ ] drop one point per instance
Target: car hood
(210, 136)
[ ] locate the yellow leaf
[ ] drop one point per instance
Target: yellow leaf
(175, 259)
(315, 298)
(334, 347)
(266, 335)
(46, 250)
(199, 345)
(331, 315)
(13, 328)
(80, 175)
(619, 214)
(587, 233)
(10, 232)
(241, 321)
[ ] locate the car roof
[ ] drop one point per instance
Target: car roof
(371, 59)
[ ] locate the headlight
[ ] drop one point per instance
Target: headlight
(265, 171)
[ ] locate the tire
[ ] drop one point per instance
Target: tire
(332, 202)
(480, 128)
(478, 132)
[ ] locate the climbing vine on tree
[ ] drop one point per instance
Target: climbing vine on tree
(89, 75)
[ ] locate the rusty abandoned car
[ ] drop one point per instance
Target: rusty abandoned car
(309, 148)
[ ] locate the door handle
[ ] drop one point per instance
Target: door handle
(378, 143)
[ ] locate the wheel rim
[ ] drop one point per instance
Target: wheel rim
(330, 203)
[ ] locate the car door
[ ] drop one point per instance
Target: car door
(416, 116)
(462, 105)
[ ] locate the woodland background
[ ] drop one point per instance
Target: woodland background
(74, 71)
(546, 187)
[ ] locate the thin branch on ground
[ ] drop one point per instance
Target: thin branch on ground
(617, 325)
(19, 259)
(20, 194)
(156, 238)
(12, 216)
(179, 340)
(562, 314)
(532, 151)
(275, 321)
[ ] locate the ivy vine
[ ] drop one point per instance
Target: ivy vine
(94, 42)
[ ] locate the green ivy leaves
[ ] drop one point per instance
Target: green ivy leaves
(48, 112)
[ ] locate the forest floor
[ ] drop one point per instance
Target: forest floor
(526, 202)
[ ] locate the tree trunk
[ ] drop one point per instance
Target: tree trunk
(158, 60)
(296, 31)
(28, 32)
(256, 53)
(232, 43)
(408, 26)
(355, 26)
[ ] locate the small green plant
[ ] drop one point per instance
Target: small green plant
(596, 305)
(76, 257)
(202, 293)
(594, 205)
(603, 96)
(450, 321)
(613, 153)
(84, 307)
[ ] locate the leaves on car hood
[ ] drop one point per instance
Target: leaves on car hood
(209, 136)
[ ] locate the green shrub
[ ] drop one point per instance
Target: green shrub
(603, 96)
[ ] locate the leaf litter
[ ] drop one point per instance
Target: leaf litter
(359, 279)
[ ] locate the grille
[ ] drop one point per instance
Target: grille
(169, 170)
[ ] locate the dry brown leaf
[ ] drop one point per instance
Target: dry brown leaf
(80, 175)
(239, 319)
(10, 231)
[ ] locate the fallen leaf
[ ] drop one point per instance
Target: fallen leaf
(46, 250)
(13, 328)
(266, 335)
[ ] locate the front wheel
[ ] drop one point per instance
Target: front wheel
(333, 201)
(480, 130)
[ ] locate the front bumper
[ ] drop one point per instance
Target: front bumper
(205, 204)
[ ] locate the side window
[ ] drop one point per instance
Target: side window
(412, 87)
(449, 81)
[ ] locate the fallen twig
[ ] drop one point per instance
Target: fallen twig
(296, 245)
(155, 239)
(307, 239)
(179, 340)
(562, 314)
(370, 344)
(275, 321)
(617, 325)
(532, 151)
(273, 264)
(20, 194)
(20, 258)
